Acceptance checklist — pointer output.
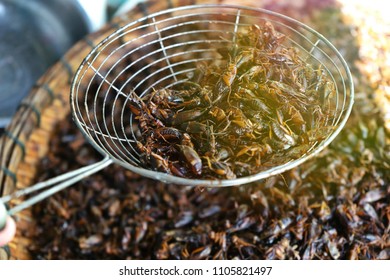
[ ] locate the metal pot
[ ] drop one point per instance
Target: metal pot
(33, 35)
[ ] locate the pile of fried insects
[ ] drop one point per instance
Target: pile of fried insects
(258, 106)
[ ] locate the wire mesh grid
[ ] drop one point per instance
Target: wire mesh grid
(162, 51)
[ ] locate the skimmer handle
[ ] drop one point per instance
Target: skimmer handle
(52, 186)
(3, 215)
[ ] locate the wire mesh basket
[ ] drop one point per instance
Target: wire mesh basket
(162, 51)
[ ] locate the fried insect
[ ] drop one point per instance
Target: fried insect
(192, 158)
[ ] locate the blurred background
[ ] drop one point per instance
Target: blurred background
(35, 34)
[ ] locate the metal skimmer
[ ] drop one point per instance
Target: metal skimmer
(161, 50)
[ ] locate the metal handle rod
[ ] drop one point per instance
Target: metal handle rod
(3, 215)
(63, 180)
